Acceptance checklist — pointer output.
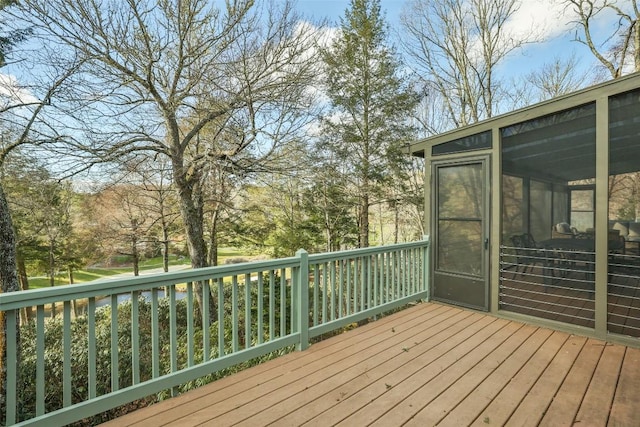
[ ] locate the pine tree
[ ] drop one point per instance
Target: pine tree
(8, 39)
(366, 125)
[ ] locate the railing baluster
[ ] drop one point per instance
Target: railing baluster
(283, 303)
(190, 322)
(91, 347)
(341, 307)
(389, 278)
(364, 285)
(401, 277)
(173, 334)
(66, 353)
(234, 313)
(173, 330)
(272, 305)
(115, 374)
(12, 365)
(221, 313)
(376, 290)
(370, 294)
(426, 265)
(135, 338)
(414, 271)
(409, 267)
(260, 313)
(401, 273)
(325, 292)
(206, 320)
(348, 285)
(247, 310)
(393, 284)
(397, 289)
(355, 281)
(385, 273)
(316, 293)
(381, 279)
(332, 288)
(356, 294)
(289, 289)
(401, 281)
(155, 334)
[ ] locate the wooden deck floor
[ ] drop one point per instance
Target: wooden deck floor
(428, 365)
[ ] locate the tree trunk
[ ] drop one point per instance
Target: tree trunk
(165, 247)
(364, 221)
(136, 256)
(213, 239)
(190, 196)
(396, 220)
(9, 283)
(364, 241)
(52, 274)
(74, 305)
(381, 223)
(24, 285)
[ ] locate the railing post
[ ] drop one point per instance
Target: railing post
(11, 372)
(301, 303)
(425, 267)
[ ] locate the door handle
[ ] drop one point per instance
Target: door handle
(486, 243)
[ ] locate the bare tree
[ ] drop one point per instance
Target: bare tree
(457, 46)
(123, 222)
(158, 72)
(155, 196)
(555, 78)
(619, 49)
(22, 126)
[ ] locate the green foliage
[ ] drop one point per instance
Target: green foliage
(8, 39)
(331, 203)
(54, 357)
(367, 126)
(54, 362)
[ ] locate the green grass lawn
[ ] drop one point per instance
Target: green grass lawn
(89, 274)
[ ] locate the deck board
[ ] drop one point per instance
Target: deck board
(540, 396)
(433, 412)
(412, 388)
(333, 388)
(597, 401)
(469, 408)
(566, 402)
(625, 409)
(431, 364)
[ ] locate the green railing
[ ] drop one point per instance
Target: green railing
(130, 340)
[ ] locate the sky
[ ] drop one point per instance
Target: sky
(333, 9)
(545, 16)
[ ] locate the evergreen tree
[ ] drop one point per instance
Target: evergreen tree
(367, 123)
(8, 39)
(8, 272)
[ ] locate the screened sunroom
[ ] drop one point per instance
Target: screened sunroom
(535, 214)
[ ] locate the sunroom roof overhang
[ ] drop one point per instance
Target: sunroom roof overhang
(575, 134)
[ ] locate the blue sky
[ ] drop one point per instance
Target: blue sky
(543, 15)
(334, 9)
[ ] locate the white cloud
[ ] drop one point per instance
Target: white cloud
(12, 94)
(546, 18)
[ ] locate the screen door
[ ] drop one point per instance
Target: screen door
(461, 231)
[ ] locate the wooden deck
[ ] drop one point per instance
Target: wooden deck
(429, 365)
